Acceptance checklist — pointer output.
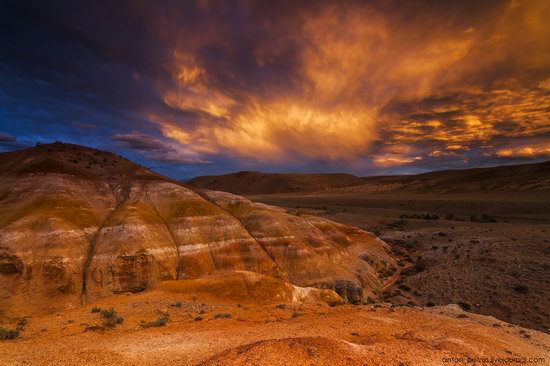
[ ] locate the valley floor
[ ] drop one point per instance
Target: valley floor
(490, 252)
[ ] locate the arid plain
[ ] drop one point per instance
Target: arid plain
(486, 251)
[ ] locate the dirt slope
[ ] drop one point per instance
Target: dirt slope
(269, 334)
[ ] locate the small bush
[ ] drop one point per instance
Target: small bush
(222, 316)
(280, 306)
(296, 314)
(22, 322)
(112, 322)
(464, 305)
(110, 317)
(8, 333)
(177, 304)
(108, 313)
(430, 304)
(198, 318)
(96, 309)
(160, 322)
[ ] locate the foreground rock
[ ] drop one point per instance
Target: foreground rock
(78, 224)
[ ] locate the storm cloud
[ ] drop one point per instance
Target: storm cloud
(206, 87)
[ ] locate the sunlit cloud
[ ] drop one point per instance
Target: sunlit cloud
(352, 63)
(528, 151)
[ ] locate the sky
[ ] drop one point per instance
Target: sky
(190, 88)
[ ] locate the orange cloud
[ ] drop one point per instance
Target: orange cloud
(525, 151)
(352, 63)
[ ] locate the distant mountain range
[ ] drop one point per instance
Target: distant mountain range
(257, 183)
(508, 178)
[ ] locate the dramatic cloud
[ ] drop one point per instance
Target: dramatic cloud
(367, 87)
(156, 149)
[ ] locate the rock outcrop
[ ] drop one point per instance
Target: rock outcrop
(77, 224)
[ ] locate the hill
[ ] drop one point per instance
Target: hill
(78, 224)
(508, 178)
(258, 183)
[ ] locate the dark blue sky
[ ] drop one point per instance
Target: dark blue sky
(192, 88)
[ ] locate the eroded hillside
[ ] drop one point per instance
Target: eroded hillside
(78, 224)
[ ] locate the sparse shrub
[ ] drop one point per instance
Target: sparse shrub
(462, 316)
(521, 289)
(430, 304)
(112, 322)
(465, 305)
(108, 313)
(8, 333)
(177, 304)
(222, 316)
(280, 306)
(159, 322)
(296, 314)
(110, 318)
(198, 318)
(22, 322)
(96, 309)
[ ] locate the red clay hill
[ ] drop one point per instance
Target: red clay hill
(78, 224)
